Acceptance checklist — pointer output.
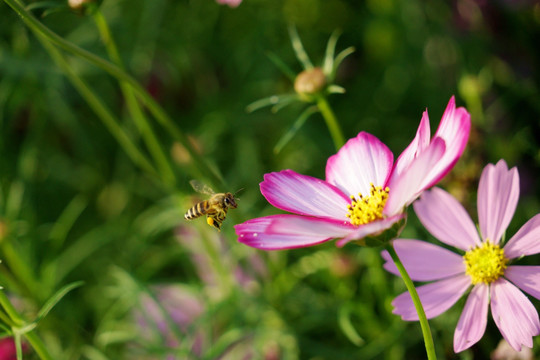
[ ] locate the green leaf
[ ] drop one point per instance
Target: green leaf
(335, 89)
(66, 220)
(301, 54)
(285, 69)
(56, 298)
(225, 342)
(285, 101)
(269, 101)
(44, 5)
(328, 65)
(284, 140)
(339, 59)
(345, 324)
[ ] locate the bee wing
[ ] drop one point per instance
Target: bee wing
(201, 188)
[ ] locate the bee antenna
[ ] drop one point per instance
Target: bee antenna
(237, 191)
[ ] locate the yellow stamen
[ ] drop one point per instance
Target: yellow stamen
(485, 263)
(370, 208)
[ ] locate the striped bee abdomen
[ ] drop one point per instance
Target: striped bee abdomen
(197, 210)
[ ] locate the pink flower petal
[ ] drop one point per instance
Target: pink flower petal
(514, 314)
(525, 241)
(304, 195)
(498, 194)
(362, 161)
(405, 188)
(231, 3)
(424, 261)
(445, 218)
(417, 146)
(373, 228)
(436, 298)
(454, 129)
(277, 232)
(527, 278)
(473, 320)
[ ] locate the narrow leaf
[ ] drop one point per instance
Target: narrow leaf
(301, 54)
(44, 5)
(268, 101)
(66, 220)
(285, 69)
(345, 324)
(335, 89)
(328, 65)
(284, 140)
(285, 101)
(340, 57)
(56, 298)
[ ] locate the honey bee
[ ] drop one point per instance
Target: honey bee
(214, 208)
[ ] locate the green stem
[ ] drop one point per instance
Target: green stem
(10, 310)
(426, 332)
(18, 322)
(331, 122)
(136, 112)
(200, 164)
(99, 108)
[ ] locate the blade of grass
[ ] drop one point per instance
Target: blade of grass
(66, 220)
(199, 166)
(345, 324)
(56, 298)
(138, 116)
(103, 113)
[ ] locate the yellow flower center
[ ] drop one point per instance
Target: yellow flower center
(370, 208)
(485, 263)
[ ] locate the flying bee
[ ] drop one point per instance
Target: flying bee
(214, 208)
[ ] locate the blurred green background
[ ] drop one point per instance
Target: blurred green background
(74, 207)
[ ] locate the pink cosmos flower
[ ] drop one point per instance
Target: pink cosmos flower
(484, 266)
(364, 194)
(231, 3)
(7, 349)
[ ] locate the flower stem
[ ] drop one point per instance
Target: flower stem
(426, 332)
(331, 122)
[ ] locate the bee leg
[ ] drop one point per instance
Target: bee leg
(210, 221)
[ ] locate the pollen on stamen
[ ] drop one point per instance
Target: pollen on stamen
(485, 263)
(365, 209)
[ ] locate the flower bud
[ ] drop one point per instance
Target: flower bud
(310, 82)
(81, 6)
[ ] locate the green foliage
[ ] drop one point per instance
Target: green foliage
(99, 142)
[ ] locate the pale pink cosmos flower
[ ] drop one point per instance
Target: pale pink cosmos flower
(364, 194)
(485, 265)
(231, 3)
